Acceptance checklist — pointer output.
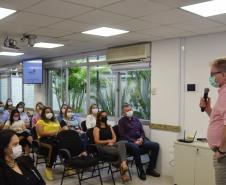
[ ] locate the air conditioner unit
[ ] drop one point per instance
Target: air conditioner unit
(128, 53)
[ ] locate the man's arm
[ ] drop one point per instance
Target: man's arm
(122, 131)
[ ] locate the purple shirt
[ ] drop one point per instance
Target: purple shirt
(130, 130)
(4, 117)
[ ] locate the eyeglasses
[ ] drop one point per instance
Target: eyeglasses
(214, 73)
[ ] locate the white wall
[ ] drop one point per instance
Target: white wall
(165, 106)
(173, 66)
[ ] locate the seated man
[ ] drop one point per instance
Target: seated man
(131, 129)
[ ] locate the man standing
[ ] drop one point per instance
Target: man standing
(131, 129)
(217, 127)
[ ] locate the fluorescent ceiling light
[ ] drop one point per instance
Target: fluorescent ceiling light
(5, 12)
(5, 53)
(47, 45)
(105, 32)
(208, 8)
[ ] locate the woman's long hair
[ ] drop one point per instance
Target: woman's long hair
(11, 120)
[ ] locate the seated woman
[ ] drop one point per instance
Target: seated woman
(18, 125)
(71, 121)
(4, 116)
(9, 105)
(16, 169)
(23, 116)
(60, 116)
(37, 114)
(47, 128)
(105, 136)
(91, 117)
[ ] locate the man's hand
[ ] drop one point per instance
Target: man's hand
(206, 104)
(217, 155)
(139, 141)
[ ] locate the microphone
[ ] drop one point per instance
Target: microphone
(205, 96)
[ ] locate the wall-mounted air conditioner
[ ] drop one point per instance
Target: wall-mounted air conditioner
(128, 53)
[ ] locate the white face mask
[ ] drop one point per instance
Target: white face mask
(17, 151)
(129, 114)
(49, 115)
(10, 103)
(20, 110)
(95, 110)
(69, 114)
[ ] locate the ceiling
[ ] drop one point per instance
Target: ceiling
(62, 21)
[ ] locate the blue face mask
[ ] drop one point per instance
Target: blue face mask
(213, 82)
(1, 109)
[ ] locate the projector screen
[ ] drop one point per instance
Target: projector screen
(32, 71)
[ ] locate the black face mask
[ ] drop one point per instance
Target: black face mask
(104, 119)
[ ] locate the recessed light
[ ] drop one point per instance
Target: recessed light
(105, 32)
(47, 45)
(4, 12)
(5, 53)
(206, 9)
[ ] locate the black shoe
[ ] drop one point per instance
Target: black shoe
(152, 173)
(142, 175)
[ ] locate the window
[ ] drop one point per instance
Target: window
(4, 85)
(77, 88)
(16, 89)
(135, 89)
(29, 95)
(57, 86)
(109, 86)
(102, 88)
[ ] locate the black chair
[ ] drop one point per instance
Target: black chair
(36, 149)
(70, 147)
(143, 151)
(103, 159)
(83, 125)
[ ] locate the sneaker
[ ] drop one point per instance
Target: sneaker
(70, 171)
(142, 175)
(49, 174)
(152, 173)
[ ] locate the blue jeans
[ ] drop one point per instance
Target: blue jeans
(151, 147)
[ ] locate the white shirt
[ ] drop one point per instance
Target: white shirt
(90, 121)
(15, 125)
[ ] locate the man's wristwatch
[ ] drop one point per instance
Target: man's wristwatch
(223, 153)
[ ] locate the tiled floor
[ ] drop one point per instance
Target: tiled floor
(164, 180)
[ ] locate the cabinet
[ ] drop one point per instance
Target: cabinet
(193, 164)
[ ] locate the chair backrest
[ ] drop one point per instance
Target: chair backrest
(115, 128)
(34, 133)
(89, 134)
(70, 140)
(83, 125)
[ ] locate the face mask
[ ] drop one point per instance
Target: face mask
(20, 110)
(17, 151)
(69, 114)
(104, 119)
(63, 111)
(16, 118)
(10, 103)
(213, 82)
(49, 115)
(129, 114)
(1, 109)
(95, 111)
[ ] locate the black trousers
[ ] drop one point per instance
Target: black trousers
(49, 148)
(151, 147)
